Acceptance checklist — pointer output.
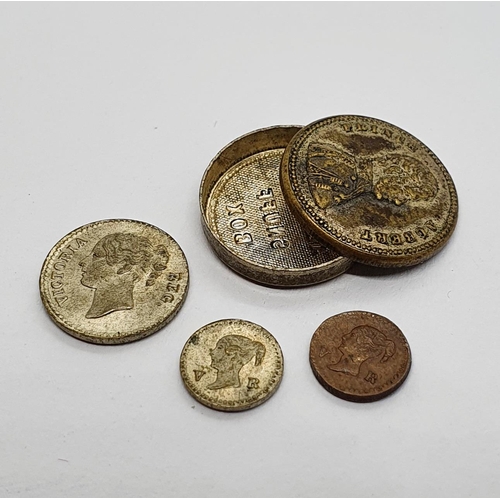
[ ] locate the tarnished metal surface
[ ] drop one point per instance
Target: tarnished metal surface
(114, 281)
(248, 223)
(359, 356)
(371, 190)
(231, 365)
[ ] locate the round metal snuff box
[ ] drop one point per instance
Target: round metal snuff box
(249, 224)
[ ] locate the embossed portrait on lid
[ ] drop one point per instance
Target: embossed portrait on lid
(118, 263)
(336, 175)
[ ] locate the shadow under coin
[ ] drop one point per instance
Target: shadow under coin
(358, 269)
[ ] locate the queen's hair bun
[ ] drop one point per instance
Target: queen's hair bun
(158, 263)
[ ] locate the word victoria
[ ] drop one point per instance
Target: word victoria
(57, 276)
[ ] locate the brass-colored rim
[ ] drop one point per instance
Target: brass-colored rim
(333, 236)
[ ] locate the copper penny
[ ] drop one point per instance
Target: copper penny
(359, 356)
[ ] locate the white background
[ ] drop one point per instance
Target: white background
(115, 110)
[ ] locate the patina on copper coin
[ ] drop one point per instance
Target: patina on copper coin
(114, 281)
(231, 365)
(248, 222)
(371, 190)
(359, 356)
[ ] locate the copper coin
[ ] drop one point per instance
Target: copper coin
(371, 190)
(359, 356)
